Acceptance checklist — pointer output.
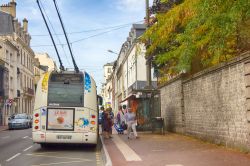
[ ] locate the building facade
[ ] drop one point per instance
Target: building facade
(4, 86)
(38, 71)
(129, 78)
(107, 87)
(45, 60)
(18, 58)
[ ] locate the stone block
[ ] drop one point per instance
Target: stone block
(248, 116)
(247, 80)
(247, 67)
(248, 104)
(248, 93)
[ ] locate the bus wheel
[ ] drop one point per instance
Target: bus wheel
(43, 145)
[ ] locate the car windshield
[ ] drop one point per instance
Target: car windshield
(20, 116)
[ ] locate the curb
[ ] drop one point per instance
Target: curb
(106, 159)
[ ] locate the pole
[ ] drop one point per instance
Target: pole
(147, 13)
(61, 65)
(148, 59)
(65, 34)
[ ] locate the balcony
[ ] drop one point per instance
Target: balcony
(28, 91)
(139, 86)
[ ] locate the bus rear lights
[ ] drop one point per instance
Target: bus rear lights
(36, 121)
(42, 136)
(93, 116)
(36, 127)
(36, 115)
(93, 122)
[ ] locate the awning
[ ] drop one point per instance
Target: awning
(132, 96)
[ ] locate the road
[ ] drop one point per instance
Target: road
(17, 149)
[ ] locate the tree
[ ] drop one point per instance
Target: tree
(197, 34)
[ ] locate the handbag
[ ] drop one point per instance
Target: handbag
(124, 126)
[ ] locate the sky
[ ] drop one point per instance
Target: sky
(93, 27)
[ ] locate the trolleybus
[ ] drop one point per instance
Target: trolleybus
(66, 109)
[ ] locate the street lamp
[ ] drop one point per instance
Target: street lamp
(113, 52)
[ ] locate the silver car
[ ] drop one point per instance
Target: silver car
(19, 121)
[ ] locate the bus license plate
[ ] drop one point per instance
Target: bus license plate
(63, 136)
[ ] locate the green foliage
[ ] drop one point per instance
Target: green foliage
(198, 34)
(164, 1)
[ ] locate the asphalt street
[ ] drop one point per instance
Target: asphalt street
(17, 149)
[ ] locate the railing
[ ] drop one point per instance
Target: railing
(29, 91)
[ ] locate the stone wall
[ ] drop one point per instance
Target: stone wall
(172, 105)
(212, 105)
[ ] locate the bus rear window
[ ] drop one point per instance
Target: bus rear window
(73, 78)
(65, 95)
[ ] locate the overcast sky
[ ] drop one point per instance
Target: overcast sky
(94, 26)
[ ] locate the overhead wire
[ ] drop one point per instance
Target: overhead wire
(92, 30)
(65, 34)
(60, 43)
(47, 26)
(98, 34)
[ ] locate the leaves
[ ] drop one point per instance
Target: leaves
(198, 32)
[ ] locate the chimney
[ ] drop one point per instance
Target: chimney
(13, 8)
(25, 25)
(15, 22)
(9, 8)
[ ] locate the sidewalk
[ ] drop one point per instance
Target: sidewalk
(170, 150)
(2, 128)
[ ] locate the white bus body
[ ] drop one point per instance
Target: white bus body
(65, 109)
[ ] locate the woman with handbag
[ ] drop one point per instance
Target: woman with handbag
(131, 122)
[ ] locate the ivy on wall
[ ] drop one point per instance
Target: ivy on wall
(197, 34)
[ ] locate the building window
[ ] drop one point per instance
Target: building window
(18, 58)
(11, 57)
(109, 70)
(21, 57)
(24, 81)
(24, 58)
(7, 56)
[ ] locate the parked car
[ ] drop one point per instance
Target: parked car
(18, 121)
(100, 118)
(30, 120)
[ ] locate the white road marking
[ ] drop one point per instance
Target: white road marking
(25, 137)
(13, 157)
(59, 157)
(39, 153)
(127, 152)
(59, 163)
(27, 148)
(5, 137)
(157, 150)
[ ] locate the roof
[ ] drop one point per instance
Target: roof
(139, 26)
(110, 64)
(6, 23)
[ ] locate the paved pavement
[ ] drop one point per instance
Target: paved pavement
(2, 128)
(170, 150)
